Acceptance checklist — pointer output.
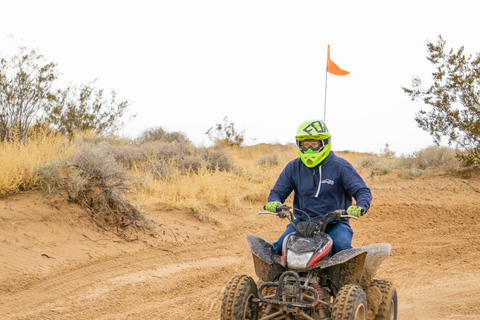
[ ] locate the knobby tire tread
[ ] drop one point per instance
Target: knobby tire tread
(388, 292)
(236, 295)
(346, 300)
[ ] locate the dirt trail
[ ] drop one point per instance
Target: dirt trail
(55, 265)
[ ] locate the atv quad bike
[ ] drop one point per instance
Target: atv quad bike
(307, 282)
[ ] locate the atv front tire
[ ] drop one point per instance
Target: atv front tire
(350, 304)
(237, 301)
(388, 306)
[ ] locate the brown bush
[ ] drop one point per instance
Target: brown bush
(430, 158)
(268, 160)
(97, 182)
(161, 135)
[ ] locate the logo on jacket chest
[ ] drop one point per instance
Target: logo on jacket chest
(328, 181)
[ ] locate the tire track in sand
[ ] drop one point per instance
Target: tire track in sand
(82, 286)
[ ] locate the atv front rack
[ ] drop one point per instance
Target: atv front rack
(289, 292)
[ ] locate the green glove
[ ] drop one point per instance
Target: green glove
(272, 206)
(355, 211)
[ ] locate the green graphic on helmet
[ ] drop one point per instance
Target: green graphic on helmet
(313, 142)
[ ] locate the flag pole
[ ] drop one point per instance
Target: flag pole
(325, 102)
(333, 69)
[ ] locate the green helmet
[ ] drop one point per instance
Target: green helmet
(313, 142)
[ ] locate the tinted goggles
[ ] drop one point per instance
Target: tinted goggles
(313, 144)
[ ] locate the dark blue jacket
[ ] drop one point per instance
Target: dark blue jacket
(320, 190)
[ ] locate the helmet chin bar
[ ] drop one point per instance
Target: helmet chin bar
(311, 158)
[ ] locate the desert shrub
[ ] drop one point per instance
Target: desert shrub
(90, 137)
(132, 154)
(126, 155)
(97, 182)
(48, 176)
(434, 157)
(97, 161)
(429, 158)
(412, 173)
(370, 162)
(268, 160)
(387, 153)
(375, 164)
(225, 134)
(159, 169)
(160, 134)
(169, 151)
(216, 159)
(193, 163)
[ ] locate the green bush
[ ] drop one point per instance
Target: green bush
(452, 112)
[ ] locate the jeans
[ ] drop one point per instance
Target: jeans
(340, 232)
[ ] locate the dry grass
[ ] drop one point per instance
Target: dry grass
(20, 162)
(207, 188)
(106, 175)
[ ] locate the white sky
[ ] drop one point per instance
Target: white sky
(186, 65)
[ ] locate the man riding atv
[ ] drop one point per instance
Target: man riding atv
(323, 182)
(312, 272)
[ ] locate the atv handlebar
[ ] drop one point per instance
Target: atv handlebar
(284, 211)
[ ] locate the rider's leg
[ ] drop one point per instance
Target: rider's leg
(341, 234)
(277, 245)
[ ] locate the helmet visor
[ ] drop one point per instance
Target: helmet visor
(314, 144)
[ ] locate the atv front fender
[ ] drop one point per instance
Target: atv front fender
(357, 265)
(267, 263)
(344, 267)
(376, 254)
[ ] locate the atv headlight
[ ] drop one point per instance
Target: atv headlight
(298, 260)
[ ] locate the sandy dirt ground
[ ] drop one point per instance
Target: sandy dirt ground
(54, 264)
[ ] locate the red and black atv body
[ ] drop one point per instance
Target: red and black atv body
(308, 282)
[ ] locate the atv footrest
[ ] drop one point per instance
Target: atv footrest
(289, 292)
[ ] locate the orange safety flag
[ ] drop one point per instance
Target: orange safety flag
(333, 68)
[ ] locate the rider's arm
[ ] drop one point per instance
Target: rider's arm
(283, 187)
(356, 187)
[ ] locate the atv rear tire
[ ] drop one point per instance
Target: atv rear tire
(388, 306)
(350, 304)
(237, 301)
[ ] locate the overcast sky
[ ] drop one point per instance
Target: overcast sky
(186, 65)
